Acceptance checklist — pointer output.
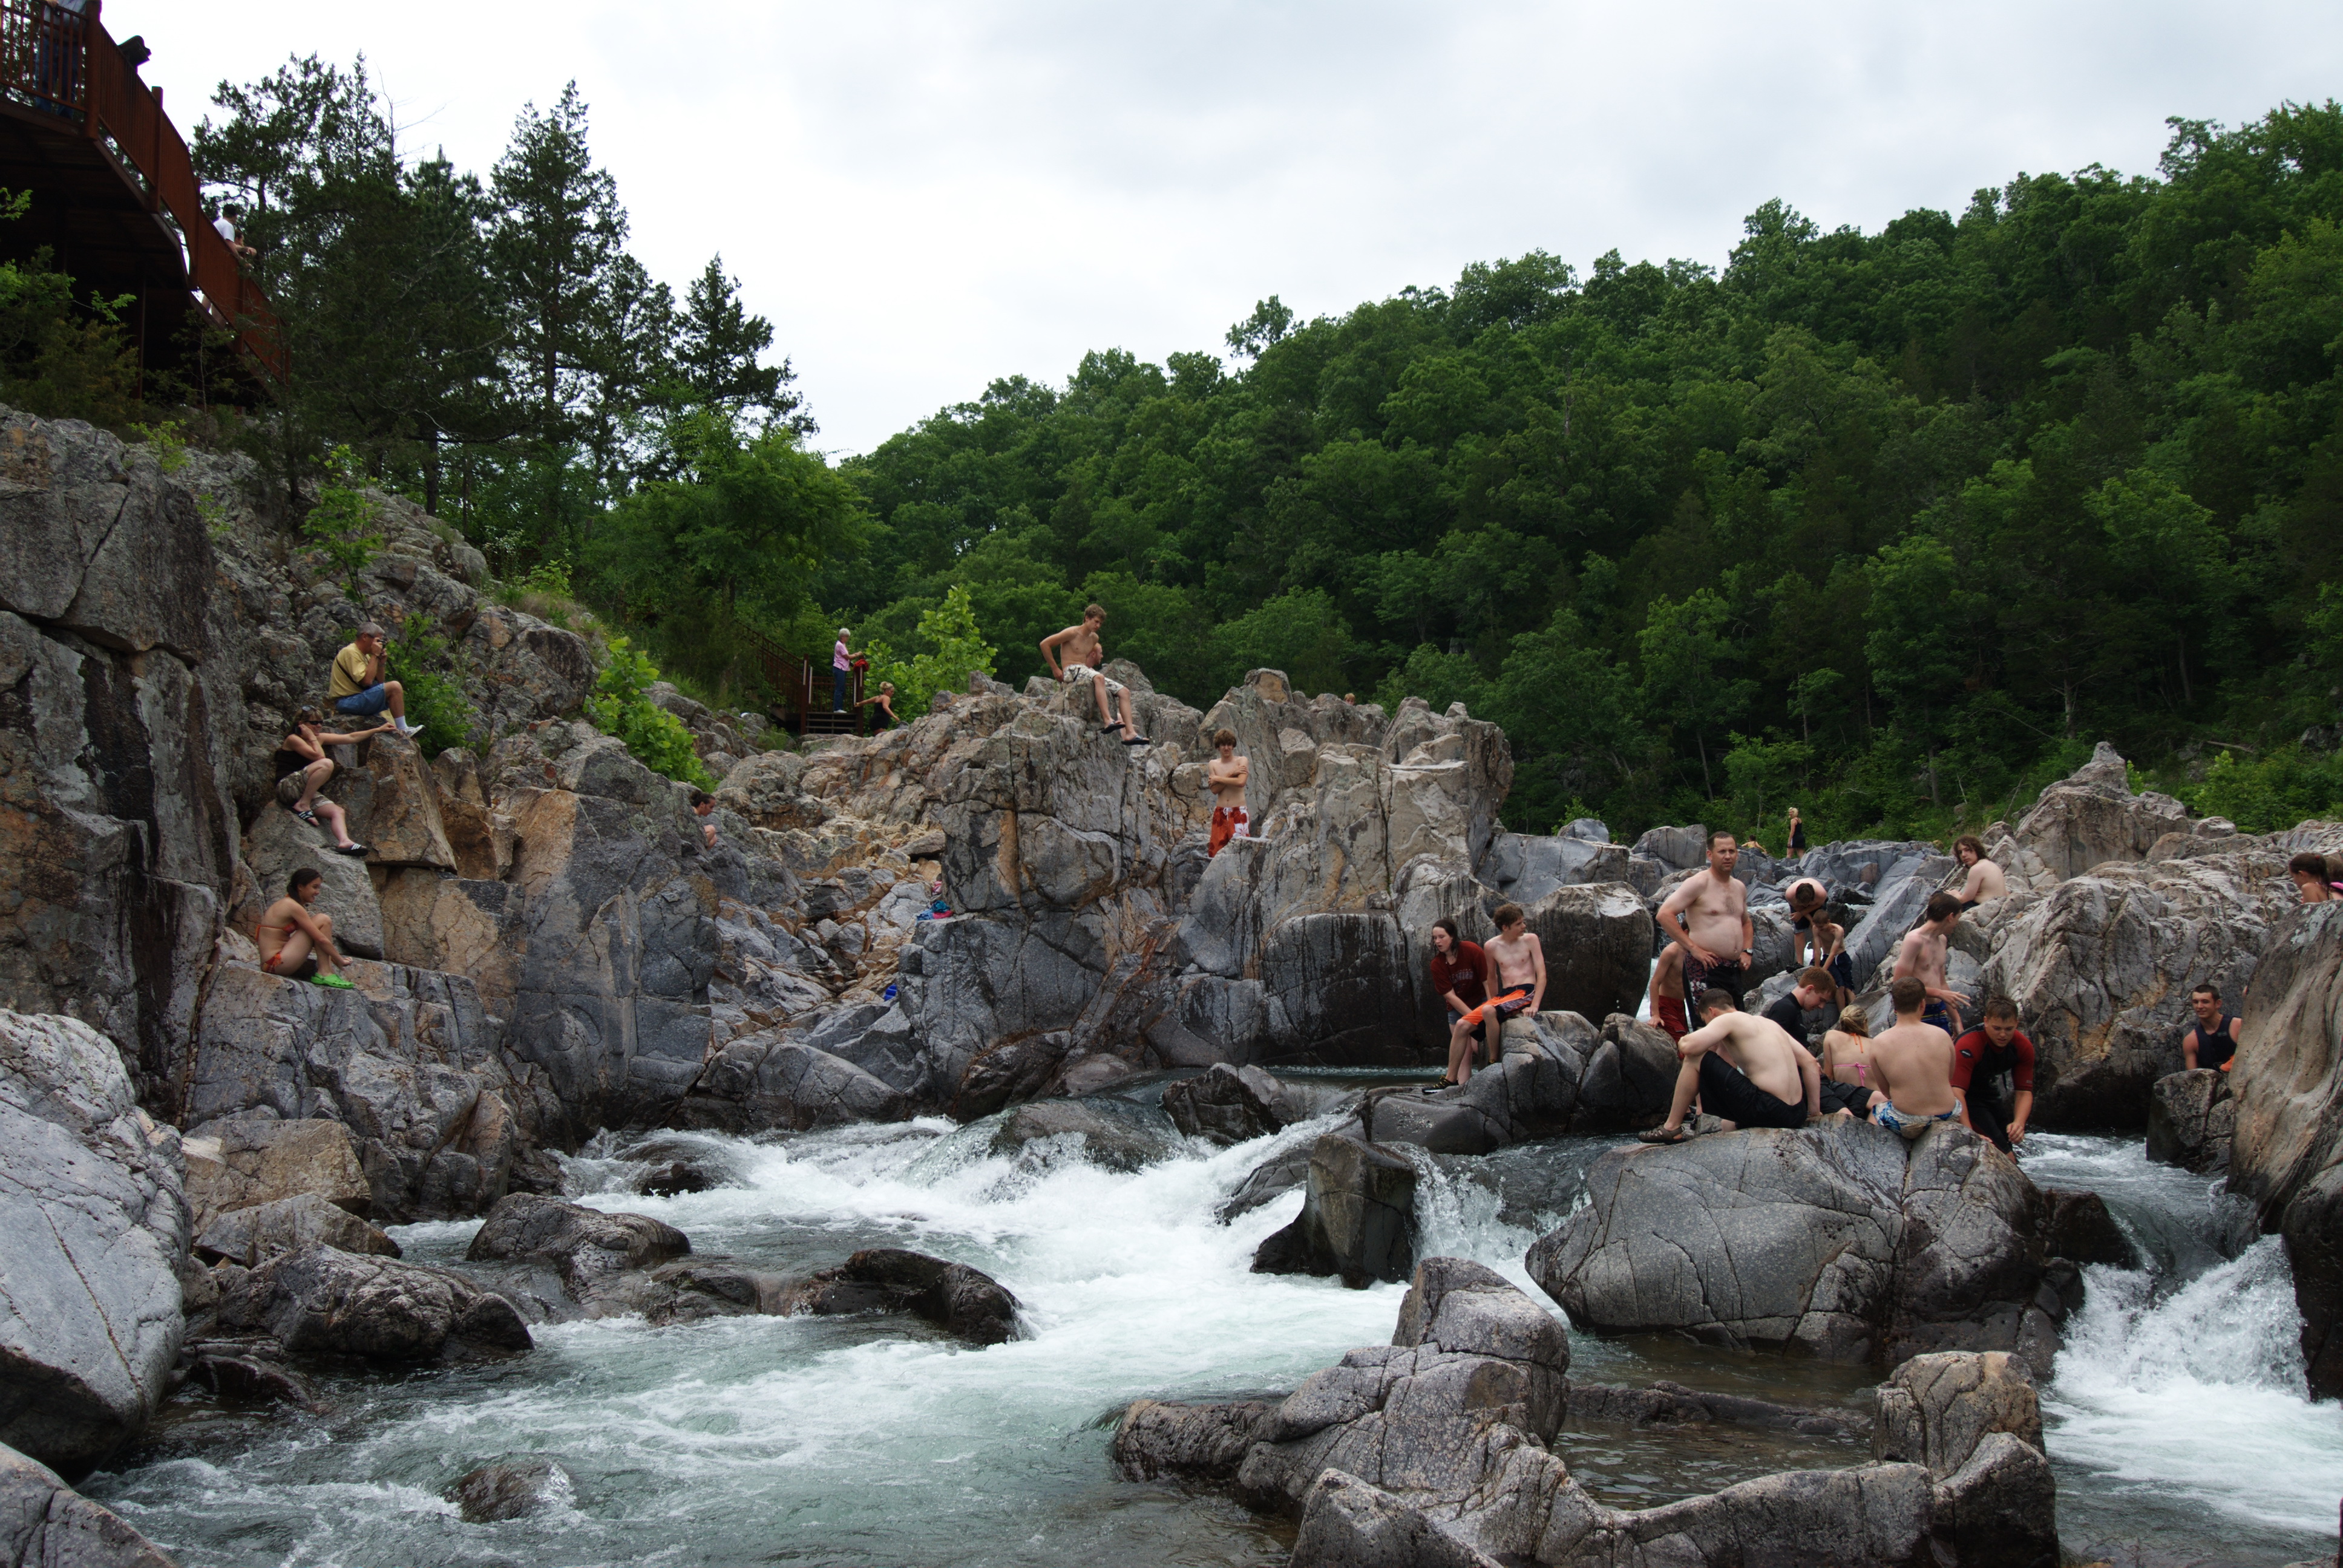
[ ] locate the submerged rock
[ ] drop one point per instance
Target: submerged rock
(1109, 1133)
(2076, 1226)
(509, 1489)
(94, 1223)
(958, 1299)
(320, 1302)
(1357, 1219)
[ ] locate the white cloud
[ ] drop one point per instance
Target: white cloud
(926, 196)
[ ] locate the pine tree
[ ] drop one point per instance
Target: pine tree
(719, 357)
(558, 238)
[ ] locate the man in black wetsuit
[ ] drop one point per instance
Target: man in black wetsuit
(2212, 1040)
(1979, 1058)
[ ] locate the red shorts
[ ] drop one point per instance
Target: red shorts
(1669, 1014)
(1228, 822)
(1500, 1008)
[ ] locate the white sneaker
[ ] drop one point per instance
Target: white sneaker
(409, 730)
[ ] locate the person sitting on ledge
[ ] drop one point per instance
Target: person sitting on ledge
(303, 767)
(2212, 1041)
(1744, 1070)
(1912, 1065)
(357, 688)
(1517, 966)
(1459, 971)
(1847, 1066)
(296, 944)
(1985, 880)
(2314, 877)
(1980, 1058)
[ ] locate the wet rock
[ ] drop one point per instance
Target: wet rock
(320, 1302)
(2092, 818)
(95, 1220)
(766, 1080)
(1598, 948)
(244, 1375)
(1108, 1133)
(1935, 1410)
(2286, 1158)
(1999, 1509)
(1226, 1105)
(1347, 1523)
(509, 1489)
(1158, 1440)
(1878, 1514)
(246, 1236)
(589, 1249)
(958, 1299)
(1667, 1403)
(2191, 1116)
(1631, 1074)
(2077, 1227)
(1357, 1219)
(673, 1179)
(1011, 1071)
(44, 1523)
(243, 1163)
(1272, 1178)
(1825, 1238)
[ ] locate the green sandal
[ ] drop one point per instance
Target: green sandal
(332, 982)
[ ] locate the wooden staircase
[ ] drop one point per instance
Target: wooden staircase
(805, 691)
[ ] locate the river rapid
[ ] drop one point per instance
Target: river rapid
(2178, 1421)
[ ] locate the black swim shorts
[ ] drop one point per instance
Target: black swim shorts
(1725, 1090)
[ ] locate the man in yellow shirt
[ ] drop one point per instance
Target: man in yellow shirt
(357, 686)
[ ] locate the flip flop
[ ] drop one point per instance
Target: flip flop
(308, 816)
(1663, 1135)
(352, 849)
(1135, 740)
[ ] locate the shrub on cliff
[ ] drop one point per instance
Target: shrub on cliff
(655, 737)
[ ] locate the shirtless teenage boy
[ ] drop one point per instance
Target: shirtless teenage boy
(1083, 656)
(1225, 775)
(1912, 1064)
(1708, 917)
(1668, 994)
(296, 944)
(1985, 880)
(1520, 988)
(1921, 957)
(1744, 1070)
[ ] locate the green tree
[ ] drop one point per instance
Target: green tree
(950, 648)
(1691, 664)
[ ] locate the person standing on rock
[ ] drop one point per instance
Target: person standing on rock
(1821, 942)
(2212, 1041)
(1085, 660)
(302, 769)
(1668, 994)
(296, 944)
(1797, 834)
(1921, 957)
(1225, 776)
(1912, 1065)
(356, 686)
(1518, 963)
(1708, 917)
(1985, 880)
(1746, 1070)
(1980, 1058)
(1460, 970)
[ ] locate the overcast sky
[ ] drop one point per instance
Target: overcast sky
(925, 196)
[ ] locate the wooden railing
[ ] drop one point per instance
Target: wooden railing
(66, 64)
(804, 692)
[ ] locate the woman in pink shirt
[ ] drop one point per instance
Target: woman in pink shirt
(840, 674)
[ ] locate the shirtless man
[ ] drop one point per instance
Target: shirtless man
(1083, 656)
(2212, 1040)
(1744, 1070)
(1922, 958)
(1708, 917)
(1520, 962)
(1225, 775)
(1985, 879)
(296, 944)
(1912, 1064)
(1668, 994)
(1821, 942)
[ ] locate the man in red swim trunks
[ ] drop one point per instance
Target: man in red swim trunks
(1226, 775)
(1668, 993)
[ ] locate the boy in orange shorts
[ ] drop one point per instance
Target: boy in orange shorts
(1519, 988)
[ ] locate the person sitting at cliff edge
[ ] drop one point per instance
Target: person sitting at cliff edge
(297, 944)
(1912, 1064)
(1744, 1070)
(357, 686)
(303, 767)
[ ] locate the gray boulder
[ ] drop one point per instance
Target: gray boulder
(92, 1205)
(1631, 1074)
(2191, 1116)
(320, 1302)
(1524, 867)
(1106, 1132)
(594, 1254)
(1935, 1410)
(1226, 1105)
(766, 1081)
(252, 1161)
(2092, 818)
(1678, 849)
(1357, 1219)
(1597, 942)
(961, 1301)
(1347, 1523)
(1827, 1238)
(246, 1236)
(1158, 1440)
(2078, 1226)
(44, 1523)
(1898, 907)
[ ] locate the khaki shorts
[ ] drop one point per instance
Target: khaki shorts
(1076, 673)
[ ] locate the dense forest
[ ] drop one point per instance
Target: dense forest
(1886, 525)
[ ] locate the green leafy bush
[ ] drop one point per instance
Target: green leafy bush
(955, 648)
(435, 701)
(655, 737)
(2269, 793)
(339, 527)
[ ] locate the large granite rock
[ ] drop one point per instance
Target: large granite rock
(246, 1236)
(2092, 818)
(765, 1080)
(252, 1161)
(95, 1222)
(2191, 1116)
(1357, 1221)
(44, 1523)
(2101, 968)
(2287, 1156)
(1597, 942)
(1936, 1409)
(1827, 1240)
(1225, 1105)
(589, 1249)
(961, 1301)
(1159, 1439)
(1523, 867)
(316, 1300)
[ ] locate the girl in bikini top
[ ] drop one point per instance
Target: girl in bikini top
(1846, 1048)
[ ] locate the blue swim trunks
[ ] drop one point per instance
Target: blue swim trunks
(1909, 1126)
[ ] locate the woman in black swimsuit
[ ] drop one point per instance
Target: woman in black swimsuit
(302, 769)
(884, 719)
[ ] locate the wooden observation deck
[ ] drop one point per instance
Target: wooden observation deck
(114, 192)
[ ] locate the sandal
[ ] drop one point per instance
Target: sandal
(308, 816)
(332, 982)
(1663, 1135)
(1135, 740)
(353, 850)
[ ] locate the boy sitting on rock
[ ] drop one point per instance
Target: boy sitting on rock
(1912, 1064)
